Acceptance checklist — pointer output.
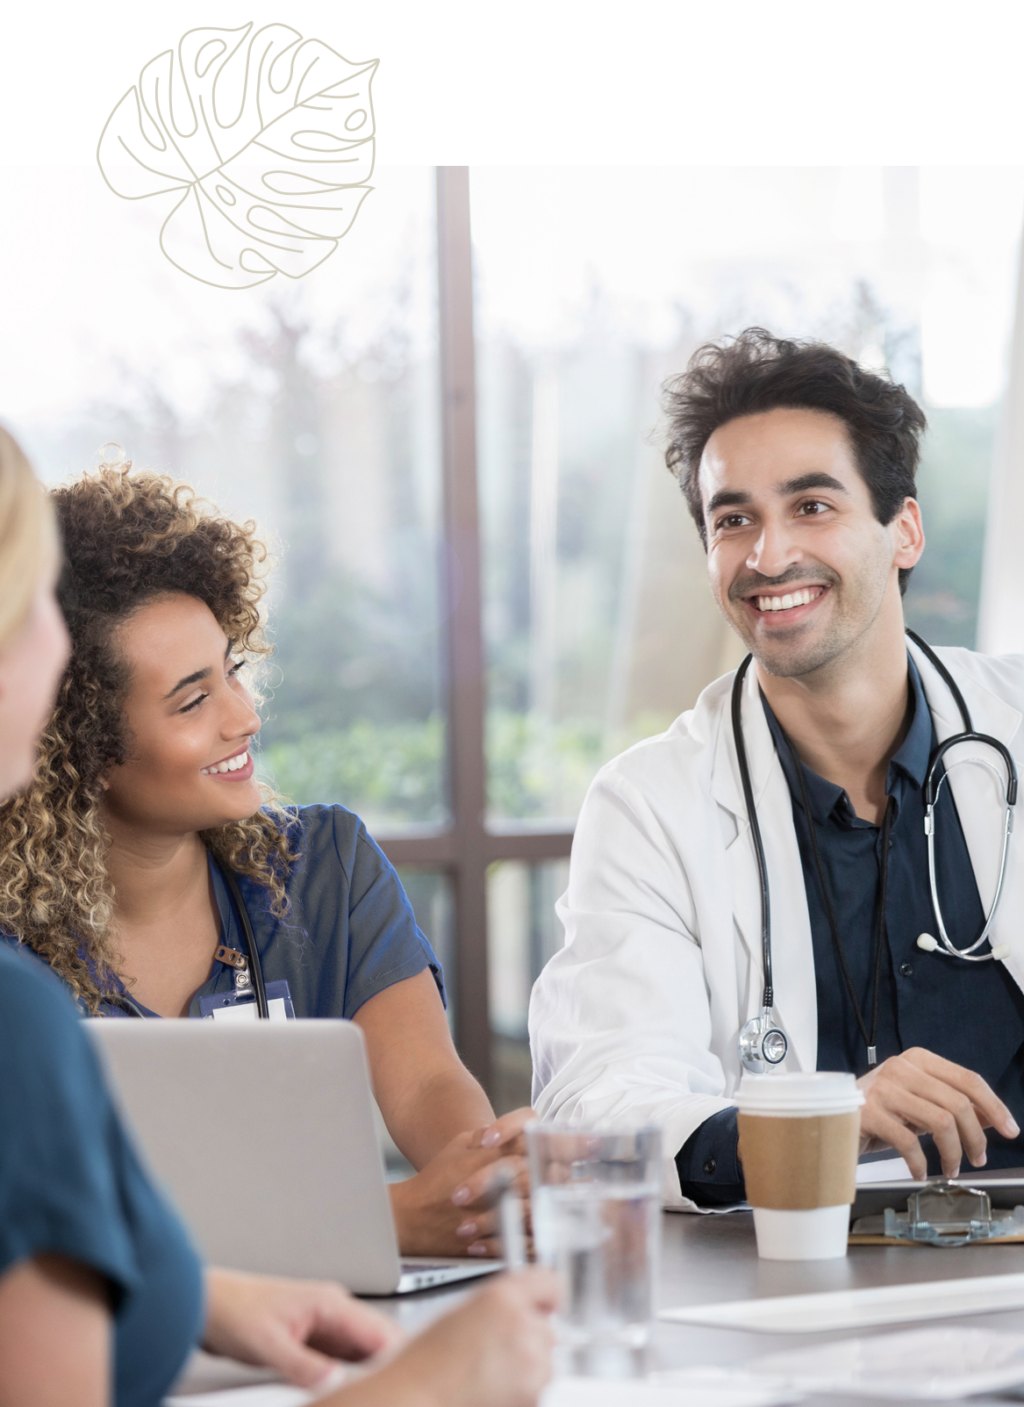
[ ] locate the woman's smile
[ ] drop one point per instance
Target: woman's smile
(191, 722)
(238, 767)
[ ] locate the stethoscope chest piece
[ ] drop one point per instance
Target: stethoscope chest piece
(762, 1044)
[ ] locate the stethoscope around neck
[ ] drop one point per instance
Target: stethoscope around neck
(249, 976)
(762, 1044)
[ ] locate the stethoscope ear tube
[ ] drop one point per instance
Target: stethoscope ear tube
(768, 1000)
(933, 779)
(255, 966)
(930, 793)
(761, 1042)
(125, 1002)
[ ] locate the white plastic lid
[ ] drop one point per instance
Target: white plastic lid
(813, 1092)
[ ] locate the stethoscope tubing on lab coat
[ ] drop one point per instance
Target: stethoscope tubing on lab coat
(761, 1042)
(255, 967)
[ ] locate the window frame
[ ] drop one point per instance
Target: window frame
(465, 848)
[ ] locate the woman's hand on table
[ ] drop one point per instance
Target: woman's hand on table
(495, 1349)
(449, 1207)
(506, 1133)
(298, 1327)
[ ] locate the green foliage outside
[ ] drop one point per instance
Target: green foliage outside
(386, 772)
(390, 769)
(392, 774)
(540, 769)
(355, 685)
(956, 460)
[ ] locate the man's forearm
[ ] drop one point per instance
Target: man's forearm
(709, 1169)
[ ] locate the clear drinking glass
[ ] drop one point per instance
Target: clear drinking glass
(596, 1198)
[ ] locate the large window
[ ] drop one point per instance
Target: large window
(488, 582)
(594, 287)
(312, 407)
(314, 410)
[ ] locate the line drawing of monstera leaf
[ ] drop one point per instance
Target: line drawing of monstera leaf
(268, 136)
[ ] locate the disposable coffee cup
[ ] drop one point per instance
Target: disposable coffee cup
(799, 1140)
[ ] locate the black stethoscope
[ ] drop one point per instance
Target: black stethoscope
(248, 969)
(761, 1043)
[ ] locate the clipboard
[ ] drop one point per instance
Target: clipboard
(996, 1202)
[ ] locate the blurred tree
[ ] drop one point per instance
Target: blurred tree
(942, 598)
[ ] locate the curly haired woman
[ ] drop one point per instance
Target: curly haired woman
(113, 861)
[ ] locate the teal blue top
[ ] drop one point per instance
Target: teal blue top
(71, 1184)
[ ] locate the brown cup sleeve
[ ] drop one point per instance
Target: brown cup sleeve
(795, 1164)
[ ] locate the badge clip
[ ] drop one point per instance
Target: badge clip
(231, 957)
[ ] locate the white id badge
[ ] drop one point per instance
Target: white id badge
(225, 1006)
(246, 1011)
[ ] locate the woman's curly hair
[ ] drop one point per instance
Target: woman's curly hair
(128, 537)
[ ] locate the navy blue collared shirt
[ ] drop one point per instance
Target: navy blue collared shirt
(970, 1013)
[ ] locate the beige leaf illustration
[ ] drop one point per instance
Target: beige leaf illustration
(268, 136)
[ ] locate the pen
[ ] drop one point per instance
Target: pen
(510, 1220)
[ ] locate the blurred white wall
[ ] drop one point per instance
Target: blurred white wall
(1001, 614)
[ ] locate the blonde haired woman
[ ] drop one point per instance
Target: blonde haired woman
(117, 863)
(101, 1294)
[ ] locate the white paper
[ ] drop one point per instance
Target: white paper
(666, 1390)
(563, 1392)
(859, 1309)
(883, 1170)
(265, 1395)
(212, 1382)
(931, 1364)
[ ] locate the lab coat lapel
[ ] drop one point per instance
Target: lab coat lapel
(796, 1007)
(980, 799)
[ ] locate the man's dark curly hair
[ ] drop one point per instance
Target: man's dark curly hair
(128, 538)
(756, 372)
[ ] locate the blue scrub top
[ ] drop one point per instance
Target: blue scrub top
(350, 931)
(72, 1185)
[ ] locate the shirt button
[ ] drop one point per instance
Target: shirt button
(709, 1166)
(906, 969)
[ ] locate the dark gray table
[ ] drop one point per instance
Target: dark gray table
(709, 1259)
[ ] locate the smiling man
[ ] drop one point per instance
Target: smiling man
(798, 468)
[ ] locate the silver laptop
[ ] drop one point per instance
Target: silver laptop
(263, 1133)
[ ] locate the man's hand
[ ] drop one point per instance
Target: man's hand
(918, 1092)
(299, 1327)
(447, 1209)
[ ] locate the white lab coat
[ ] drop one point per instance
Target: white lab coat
(637, 1016)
